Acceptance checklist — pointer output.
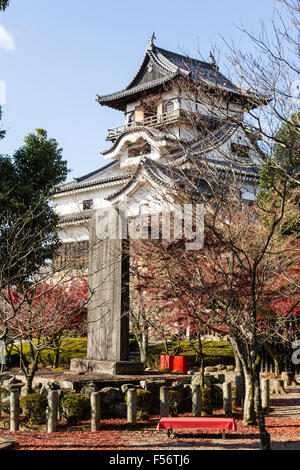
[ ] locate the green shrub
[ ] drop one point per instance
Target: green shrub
(75, 407)
(175, 402)
(206, 400)
(216, 397)
(143, 404)
(164, 369)
(34, 407)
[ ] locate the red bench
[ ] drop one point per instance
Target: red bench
(224, 424)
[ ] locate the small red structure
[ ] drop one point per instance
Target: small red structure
(197, 423)
(181, 363)
(166, 361)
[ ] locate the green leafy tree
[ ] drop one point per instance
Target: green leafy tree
(4, 4)
(285, 165)
(282, 172)
(27, 219)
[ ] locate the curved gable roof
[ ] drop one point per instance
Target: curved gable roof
(160, 66)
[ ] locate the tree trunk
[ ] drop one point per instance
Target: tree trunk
(263, 433)
(241, 350)
(144, 346)
(249, 417)
(202, 361)
(276, 358)
(29, 381)
(238, 364)
(30, 375)
(57, 358)
(143, 352)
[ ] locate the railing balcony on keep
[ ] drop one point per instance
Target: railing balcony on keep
(150, 121)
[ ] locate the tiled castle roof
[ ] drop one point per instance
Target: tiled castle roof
(160, 66)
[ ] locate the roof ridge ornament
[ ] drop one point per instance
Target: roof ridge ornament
(213, 60)
(150, 43)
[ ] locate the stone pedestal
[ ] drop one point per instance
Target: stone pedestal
(108, 321)
(107, 367)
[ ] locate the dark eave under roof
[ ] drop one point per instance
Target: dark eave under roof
(119, 99)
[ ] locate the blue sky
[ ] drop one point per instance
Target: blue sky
(56, 55)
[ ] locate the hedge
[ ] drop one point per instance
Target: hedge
(71, 347)
(75, 407)
(215, 352)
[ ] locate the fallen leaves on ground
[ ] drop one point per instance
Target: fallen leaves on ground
(283, 423)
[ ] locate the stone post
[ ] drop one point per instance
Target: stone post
(196, 400)
(164, 402)
(14, 410)
(131, 406)
(239, 390)
(95, 411)
(52, 410)
(265, 395)
(227, 399)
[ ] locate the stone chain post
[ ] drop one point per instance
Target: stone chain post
(52, 410)
(196, 400)
(131, 406)
(95, 411)
(164, 402)
(227, 399)
(14, 410)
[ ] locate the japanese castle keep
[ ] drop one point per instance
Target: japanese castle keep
(154, 125)
(167, 115)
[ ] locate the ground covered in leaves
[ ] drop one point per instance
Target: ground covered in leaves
(283, 423)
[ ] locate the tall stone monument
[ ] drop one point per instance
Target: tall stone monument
(108, 321)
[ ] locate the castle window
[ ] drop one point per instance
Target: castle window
(239, 150)
(168, 107)
(130, 118)
(87, 204)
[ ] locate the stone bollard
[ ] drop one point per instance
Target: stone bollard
(14, 410)
(52, 410)
(164, 402)
(227, 399)
(239, 390)
(265, 395)
(196, 400)
(131, 406)
(95, 411)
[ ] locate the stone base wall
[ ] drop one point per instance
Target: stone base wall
(107, 367)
